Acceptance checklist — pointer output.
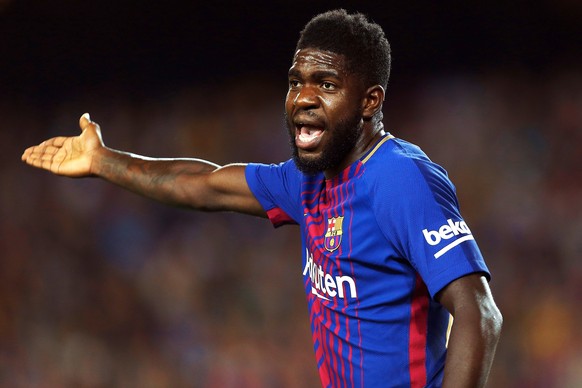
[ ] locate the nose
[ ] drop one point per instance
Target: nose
(306, 98)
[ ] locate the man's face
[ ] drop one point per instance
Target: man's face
(323, 111)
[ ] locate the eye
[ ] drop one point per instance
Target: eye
(293, 83)
(326, 85)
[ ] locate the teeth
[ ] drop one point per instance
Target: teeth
(307, 134)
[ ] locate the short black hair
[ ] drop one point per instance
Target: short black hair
(361, 42)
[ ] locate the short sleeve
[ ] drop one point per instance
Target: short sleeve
(277, 188)
(418, 211)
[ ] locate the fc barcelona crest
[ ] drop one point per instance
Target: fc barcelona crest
(333, 235)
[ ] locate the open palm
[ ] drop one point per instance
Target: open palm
(69, 156)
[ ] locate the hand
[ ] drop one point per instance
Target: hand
(68, 156)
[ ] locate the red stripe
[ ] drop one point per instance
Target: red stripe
(342, 200)
(418, 332)
(278, 217)
(351, 194)
(324, 373)
(334, 323)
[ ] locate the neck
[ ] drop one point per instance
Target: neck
(371, 134)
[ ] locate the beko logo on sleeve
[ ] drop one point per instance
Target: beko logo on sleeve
(446, 232)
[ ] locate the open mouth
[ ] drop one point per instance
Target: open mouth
(307, 137)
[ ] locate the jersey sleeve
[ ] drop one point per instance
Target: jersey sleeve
(277, 188)
(418, 212)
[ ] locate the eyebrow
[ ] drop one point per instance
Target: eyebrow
(318, 74)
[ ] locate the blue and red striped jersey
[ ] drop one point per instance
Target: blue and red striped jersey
(379, 241)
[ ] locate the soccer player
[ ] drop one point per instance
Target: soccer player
(387, 257)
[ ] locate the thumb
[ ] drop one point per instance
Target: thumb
(90, 130)
(84, 121)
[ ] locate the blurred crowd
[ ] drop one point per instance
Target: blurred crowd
(101, 288)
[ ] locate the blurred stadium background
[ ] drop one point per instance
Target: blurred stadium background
(100, 288)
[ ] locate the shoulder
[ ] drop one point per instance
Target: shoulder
(400, 168)
(274, 180)
(275, 171)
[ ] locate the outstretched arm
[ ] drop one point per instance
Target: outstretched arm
(474, 334)
(191, 183)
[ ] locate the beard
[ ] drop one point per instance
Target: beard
(341, 141)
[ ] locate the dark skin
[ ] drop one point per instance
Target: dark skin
(321, 94)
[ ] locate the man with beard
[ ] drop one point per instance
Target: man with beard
(387, 257)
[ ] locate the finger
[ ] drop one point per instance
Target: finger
(48, 156)
(46, 164)
(43, 148)
(50, 150)
(55, 141)
(38, 152)
(26, 154)
(36, 162)
(31, 153)
(84, 121)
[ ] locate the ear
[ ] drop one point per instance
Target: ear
(372, 102)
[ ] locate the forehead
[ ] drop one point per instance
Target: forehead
(313, 59)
